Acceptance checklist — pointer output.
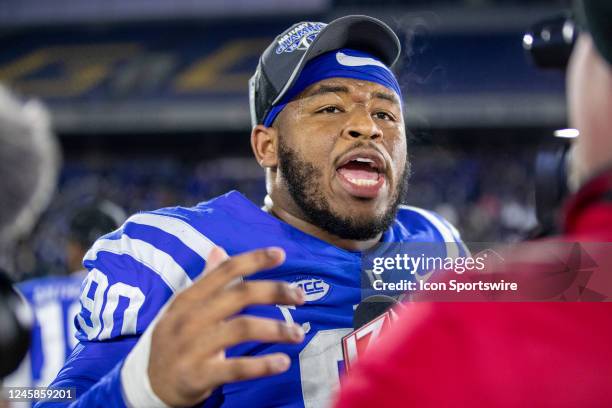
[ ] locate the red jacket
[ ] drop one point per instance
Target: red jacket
(498, 354)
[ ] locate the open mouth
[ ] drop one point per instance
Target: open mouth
(362, 175)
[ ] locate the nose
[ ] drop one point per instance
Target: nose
(362, 125)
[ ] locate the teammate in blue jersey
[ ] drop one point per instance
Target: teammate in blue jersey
(55, 299)
(204, 306)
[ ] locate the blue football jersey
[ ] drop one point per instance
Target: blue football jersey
(136, 269)
(55, 304)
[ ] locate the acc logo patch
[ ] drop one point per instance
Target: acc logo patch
(299, 38)
(313, 288)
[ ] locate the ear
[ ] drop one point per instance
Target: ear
(264, 142)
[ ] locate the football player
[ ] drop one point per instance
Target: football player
(254, 301)
(55, 299)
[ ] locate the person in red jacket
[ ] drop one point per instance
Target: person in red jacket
(517, 354)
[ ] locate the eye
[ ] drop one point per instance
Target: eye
(384, 116)
(330, 109)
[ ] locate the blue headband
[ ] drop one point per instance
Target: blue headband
(343, 63)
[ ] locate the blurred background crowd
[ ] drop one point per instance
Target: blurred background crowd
(149, 99)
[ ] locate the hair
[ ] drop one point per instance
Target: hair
(29, 165)
(91, 222)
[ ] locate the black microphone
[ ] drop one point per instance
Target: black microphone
(15, 327)
(370, 308)
(371, 319)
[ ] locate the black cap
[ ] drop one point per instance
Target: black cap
(595, 16)
(281, 63)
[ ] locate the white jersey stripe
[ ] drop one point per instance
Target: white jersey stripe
(444, 230)
(158, 261)
(457, 237)
(187, 234)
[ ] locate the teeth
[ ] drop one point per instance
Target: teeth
(362, 182)
(371, 162)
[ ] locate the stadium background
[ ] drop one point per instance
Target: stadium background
(149, 99)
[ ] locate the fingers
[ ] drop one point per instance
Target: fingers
(246, 368)
(187, 358)
(238, 266)
(245, 264)
(247, 328)
(216, 256)
(236, 298)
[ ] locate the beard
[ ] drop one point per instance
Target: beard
(303, 183)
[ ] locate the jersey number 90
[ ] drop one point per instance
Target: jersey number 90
(102, 305)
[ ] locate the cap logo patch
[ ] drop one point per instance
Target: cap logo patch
(299, 38)
(352, 61)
